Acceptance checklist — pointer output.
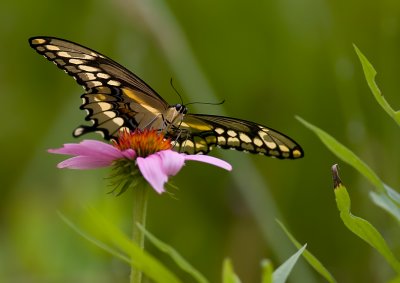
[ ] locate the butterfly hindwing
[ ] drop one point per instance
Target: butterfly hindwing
(198, 133)
(114, 97)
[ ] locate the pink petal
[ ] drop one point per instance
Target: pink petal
(129, 153)
(91, 154)
(210, 160)
(84, 162)
(171, 161)
(89, 148)
(157, 167)
(152, 171)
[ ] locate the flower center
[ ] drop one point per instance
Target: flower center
(143, 142)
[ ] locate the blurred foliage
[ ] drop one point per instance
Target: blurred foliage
(270, 60)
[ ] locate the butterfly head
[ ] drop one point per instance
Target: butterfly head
(180, 108)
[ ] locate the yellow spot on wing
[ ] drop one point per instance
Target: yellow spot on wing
(258, 142)
(87, 76)
(283, 148)
(296, 153)
(86, 68)
(234, 142)
(199, 127)
(38, 41)
(93, 83)
(188, 143)
(52, 47)
(221, 140)
(270, 145)
(64, 54)
(200, 144)
(244, 138)
(232, 133)
(114, 83)
(103, 75)
(76, 61)
(219, 131)
(136, 97)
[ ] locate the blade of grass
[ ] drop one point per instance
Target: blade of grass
(360, 226)
(228, 275)
(386, 203)
(94, 241)
(394, 195)
(311, 259)
(370, 75)
(345, 154)
(267, 271)
(178, 259)
(131, 252)
(384, 196)
(281, 274)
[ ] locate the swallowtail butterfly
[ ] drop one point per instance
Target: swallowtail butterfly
(116, 98)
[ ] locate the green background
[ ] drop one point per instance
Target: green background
(270, 60)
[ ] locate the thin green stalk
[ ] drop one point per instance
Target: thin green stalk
(140, 197)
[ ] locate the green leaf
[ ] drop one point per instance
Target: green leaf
(282, 272)
(370, 75)
(311, 259)
(178, 259)
(346, 155)
(363, 228)
(387, 203)
(129, 252)
(385, 197)
(228, 275)
(94, 241)
(267, 270)
(394, 196)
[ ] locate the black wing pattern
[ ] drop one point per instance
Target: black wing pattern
(199, 132)
(116, 98)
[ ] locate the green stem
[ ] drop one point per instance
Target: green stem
(140, 196)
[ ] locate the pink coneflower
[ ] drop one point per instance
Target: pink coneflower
(146, 152)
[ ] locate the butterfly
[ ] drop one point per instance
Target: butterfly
(115, 98)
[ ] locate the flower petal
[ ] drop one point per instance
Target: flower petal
(90, 154)
(129, 154)
(210, 160)
(152, 171)
(172, 161)
(84, 162)
(89, 148)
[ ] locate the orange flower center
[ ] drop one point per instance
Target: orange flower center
(143, 142)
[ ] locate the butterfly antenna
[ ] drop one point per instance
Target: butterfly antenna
(195, 102)
(208, 103)
(177, 92)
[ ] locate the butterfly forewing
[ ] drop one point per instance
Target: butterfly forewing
(116, 98)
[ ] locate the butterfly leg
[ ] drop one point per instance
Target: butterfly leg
(155, 123)
(179, 138)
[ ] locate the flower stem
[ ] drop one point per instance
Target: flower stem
(140, 196)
